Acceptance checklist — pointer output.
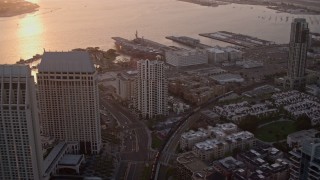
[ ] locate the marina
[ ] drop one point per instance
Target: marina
(188, 41)
(237, 39)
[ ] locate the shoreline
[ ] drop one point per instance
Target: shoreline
(11, 9)
(283, 7)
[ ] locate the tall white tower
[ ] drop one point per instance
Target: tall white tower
(69, 100)
(151, 89)
(20, 145)
(298, 47)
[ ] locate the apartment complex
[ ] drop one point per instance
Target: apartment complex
(20, 145)
(215, 142)
(239, 111)
(190, 138)
(298, 46)
(69, 99)
(297, 104)
(196, 86)
(151, 89)
(126, 85)
(255, 164)
(191, 168)
(216, 148)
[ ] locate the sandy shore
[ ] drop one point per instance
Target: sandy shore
(14, 8)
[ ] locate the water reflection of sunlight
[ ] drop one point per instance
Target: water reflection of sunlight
(29, 26)
(30, 32)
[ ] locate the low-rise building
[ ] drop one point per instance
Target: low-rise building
(210, 117)
(195, 88)
(184, 58)
(258, 164)
(210, 149)
(228, 128)
(233, 54)
(298, 104)
(227, 78)
(313, 90)
(262, 90)
(62, 156)
(228, 166)
(216, 55)
(254, 164)
(238, 111)
(190, 167)
(217, 148)
(249, 64)
(297, 138)
(190, 138)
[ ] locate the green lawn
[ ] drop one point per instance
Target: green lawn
(275, 131)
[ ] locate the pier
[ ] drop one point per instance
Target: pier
(237, 39)
(188, 41)
(140, 47)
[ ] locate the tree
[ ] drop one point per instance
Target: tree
(249, 124)
(303, 122)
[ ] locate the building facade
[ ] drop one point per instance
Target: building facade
(20, 145)
(183, 58)
(298, 47)
(151, 89)
(305, 161)
(216, 55)
(126, 85)
(217, 148)
(69, 99)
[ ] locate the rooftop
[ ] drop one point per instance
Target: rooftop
(71, 160)
(187, 52)
(228, 78)
(194, 134)
(15, 70)
(191, 162)
(53, 156)
(215, 50)
(301, 135)
(210, 113)
(231, 163)
(73, 61)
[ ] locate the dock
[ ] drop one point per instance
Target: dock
(140, 47)
(238, 39)
(188, 41)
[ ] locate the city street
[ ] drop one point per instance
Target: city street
(135, 151)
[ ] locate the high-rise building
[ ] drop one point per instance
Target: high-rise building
(151, 89)
(20, 145)
(126, 85)
(298, 47)
(69, 99)
(305, 161)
